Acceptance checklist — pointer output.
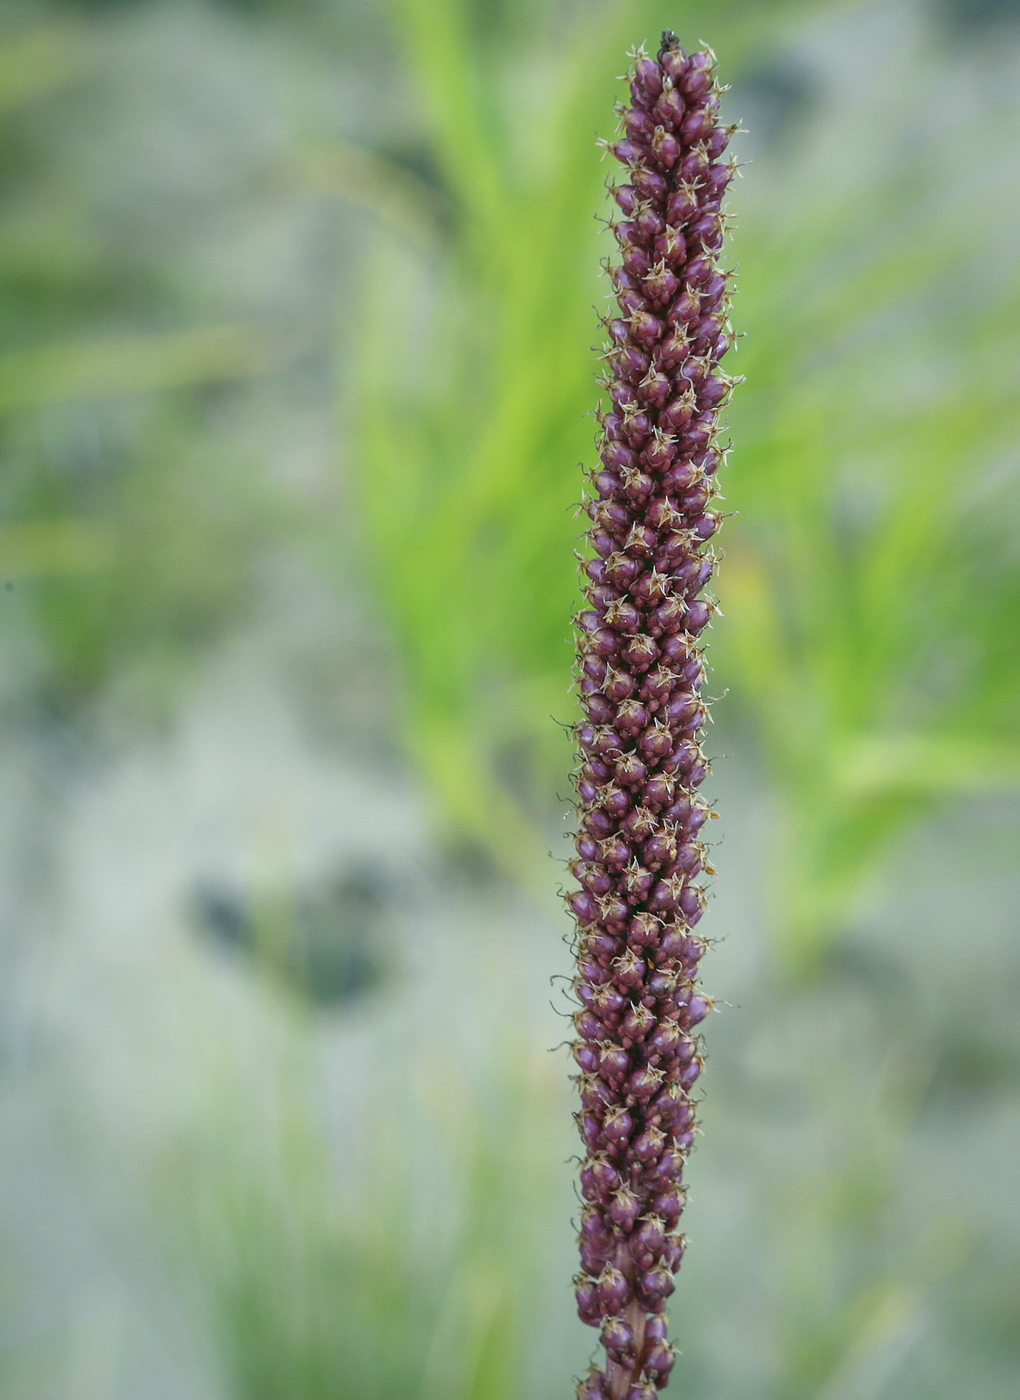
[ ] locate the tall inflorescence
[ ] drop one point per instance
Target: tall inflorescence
(641, 669)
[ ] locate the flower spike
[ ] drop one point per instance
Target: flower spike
(641, 668)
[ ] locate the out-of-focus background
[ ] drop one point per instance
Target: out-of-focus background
(296, 308)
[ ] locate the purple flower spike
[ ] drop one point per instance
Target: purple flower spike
(641, 669)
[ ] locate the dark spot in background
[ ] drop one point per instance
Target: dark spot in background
(977, 14)
(972, 1064)
(327, 943)
(772, 100)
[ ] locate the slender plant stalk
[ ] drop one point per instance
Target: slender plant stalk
(641, 669)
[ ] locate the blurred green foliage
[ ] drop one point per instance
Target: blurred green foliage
(127, 529)
(870, 589)
(413, 1268)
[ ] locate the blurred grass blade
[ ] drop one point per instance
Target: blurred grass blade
(38, 548)
(38, 63)
(132, 364)
(922, 766)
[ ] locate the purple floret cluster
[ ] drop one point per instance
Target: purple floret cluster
(641, 669)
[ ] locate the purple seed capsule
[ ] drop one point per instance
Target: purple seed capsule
(697, 1009)
(589, 1305)
(658, 791)
(650, 184)
(606, 1175)
(619, 686)
(593, 1387)
(648, 1145)
(665, 1040)
(673, 1252)
(696, 124)
(624, 1209)
(649, 223)
(684, 310)
(670, 109)
(628, 151)
(656, 1329)
(665, 148)
(699, 270)
(643, 930)
(659, 1361)
(669, 1205)
(614, 1063)
(583, 905)
(631, 718)
(713, 293)
(586, 1056)
(672, 59)
(592, 1259)
(694, 167)
(637, 1022)
(645, 328)
(636, 429)
(657, 1283)
(718, 176)
(591, 1129)
(628, 970)
(643, 1083)
(630, 771)
(640, 653)
(639, 124)
(637, 262)
(614, 1291)
(695, 81)
(588, 1025)
(715, 143)
(618, 1126)
(616, 1336)
(647, 77)
(690, 1073)
(626, 197)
